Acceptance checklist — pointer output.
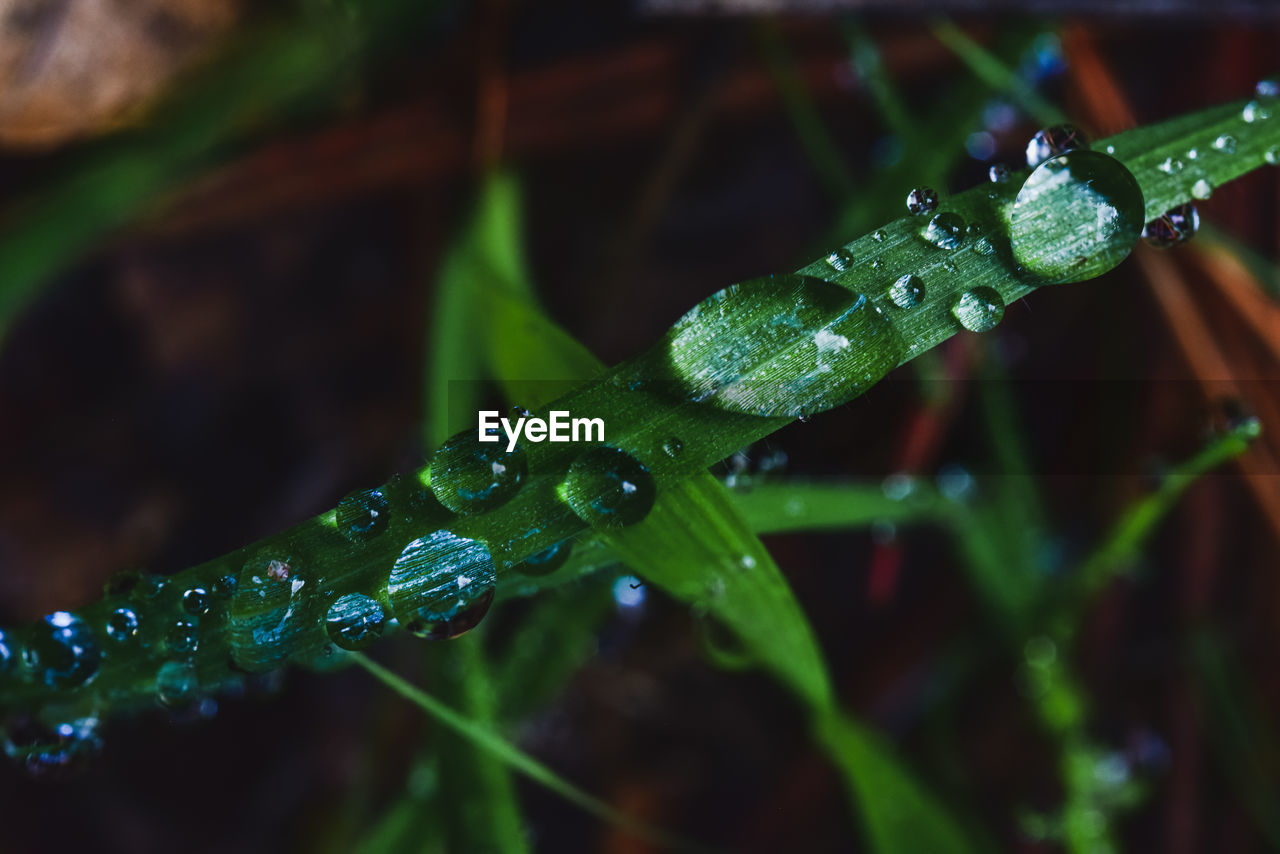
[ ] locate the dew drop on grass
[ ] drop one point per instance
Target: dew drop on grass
(272, 609)
(177, 685)
(1169, 166)
(1177, 225)
(907, 292)
(63, 651)
(434, 625)
(439, 577)
(546, 561)
(998, 173)
(1255, 111)
(672, 446)
(608, 488)
(1077, 216)
(840, 260)
(945, 231)
(878, 236)
(355, 621)
(783, 345)
(363, 514)
(1272, 155)
(183, 638)
(122, 625)
(1201, 189)
(470, 476)
(196, 601)
(979, 309)
(1267, 87)
(1193, 154)
(1226, 143)
(6, 653)
(922, 200)
(1053, 141)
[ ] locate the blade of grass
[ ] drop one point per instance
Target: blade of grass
(989, 68)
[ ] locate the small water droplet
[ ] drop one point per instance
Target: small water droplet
(1177, 225)
(470, 476)
(363, 514)
(433, 626)
(840, 260)
(1110, 149)
(7, 656)
(672, 446)
(922, 200)
(1097, 199)
(1169, 166)
(878, 236)
(439, 577)
(1193, 153)
(907, 292)
(1053, 141)
(1201, 189)
(1267, 87)
(122, 625)
(1226, 143)
(949, 267)
(1273, 155)
(196, 601)
(609, 488)
(355, 621)
(998, 173)
(982, 246)
(183, 638)
(877, 263)
(945, 231)
(63, 652)
(546, 561)
(1255, 111)
(177, 685)
(224, 586)
(979, 309)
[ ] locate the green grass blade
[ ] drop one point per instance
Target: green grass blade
(991, 69)
(777, 508)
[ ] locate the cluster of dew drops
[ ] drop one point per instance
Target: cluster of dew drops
(440, 586)
(980, 309)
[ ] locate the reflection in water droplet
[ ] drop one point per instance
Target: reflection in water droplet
(355, 621)
(945, 231)
(62, 651)
(672, 447)
(907, 292)
(122, 625)
(1193, 153)
(1226, 143)
(1201, 189)
(998, 173)
(546, 561)
(363, 514)
(609, 488)
(470, 476)
(183, 638)
(979, 309)
(176, 684)
(196, 601)
(1170, 166)
(1077, 216)
(1255, 111)
(1273, 155)
(439, 576)
(878, 236)
(273, 612)
(840, 260)
(922, 200)
(820, 346)
(1177, 225)
(432, 625)
(1053, 141)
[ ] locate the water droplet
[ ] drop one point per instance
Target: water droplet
(840, 260)
(982, 246)
(1255, 111)
(122, 625)
(672, 447)
(470, 476)
(1169, 166)
(878, 236)
(224, 587)
(922, 200)
(949, 266)
(1226, 143)
(1077, 216)
(1110, 149)
(998, 173)
(1201, 189)
(1273, 155)
(63, 652)
(274, 613)
(7, 656)
(1177, 225)
(1193, 153)
(435, 626)
(1054, 141)
(898, 486)
(609, 488)
(1267, 87)
(196, 601)
(979, 309)
(877, 263)
(810, 345)
(945, 231)
(546, 561)
(355, 621)
(438, 578)
(134, 584)
(363, 514)
(177, 684)
(183, 638)
(53, 753)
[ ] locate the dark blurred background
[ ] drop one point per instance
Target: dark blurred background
(246, 345)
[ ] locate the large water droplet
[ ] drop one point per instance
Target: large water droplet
(63, 652)
(355, 621)
(922, 200)
(979, 309)
(363, 514)
(609, 488)
(546, 561)
(785, 345)
(1177, 225)
(907, 292)
(1077, 216)
(1054, 141)
(439, 576)
(470, 476)
(177, 684)
(273, 613)
(122, 625)
(945, 231)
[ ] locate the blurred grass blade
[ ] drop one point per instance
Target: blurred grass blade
(996, 74)
(484, 738)
(777, 508)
